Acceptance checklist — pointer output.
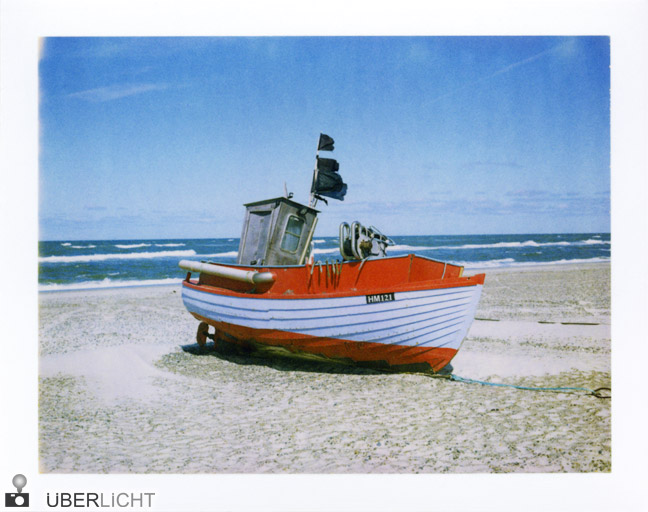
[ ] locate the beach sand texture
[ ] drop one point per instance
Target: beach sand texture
(124, 388)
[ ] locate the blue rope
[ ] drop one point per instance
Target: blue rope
(595, 392)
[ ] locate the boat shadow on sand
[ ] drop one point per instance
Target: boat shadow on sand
(282, 360)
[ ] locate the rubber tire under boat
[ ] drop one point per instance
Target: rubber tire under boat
(201, 335)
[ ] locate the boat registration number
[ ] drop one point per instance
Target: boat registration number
(380, 297)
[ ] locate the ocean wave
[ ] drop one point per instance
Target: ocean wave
(510, 262)
(503, 245)
(124, 256)
(66, 244)
(228, 254)
(584, 260)
(319, 241)
(169, 245)
(326, 251)
(504, 262)
(82, 246)
(406, 248)
(498, 245)
(131, 246)
(106, 283)
(234, 254)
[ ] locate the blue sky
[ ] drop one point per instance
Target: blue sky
(168, 137)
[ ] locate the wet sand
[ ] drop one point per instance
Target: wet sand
(120, 372)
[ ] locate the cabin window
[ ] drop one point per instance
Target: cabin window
(292, 234)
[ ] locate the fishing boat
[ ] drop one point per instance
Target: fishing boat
(365, 308)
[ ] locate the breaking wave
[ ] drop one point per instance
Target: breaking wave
(510, 262)
(499, 245)
(228, 254)
(106, 283)
(406, 248)
(326, 251)
(125, 256)
(131, 246)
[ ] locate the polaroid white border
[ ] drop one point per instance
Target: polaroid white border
(23, 23)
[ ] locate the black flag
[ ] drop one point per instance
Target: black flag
(327, 164)
(326, 180)
(329, 184)
(325, 143)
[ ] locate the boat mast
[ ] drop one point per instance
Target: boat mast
(313, 200)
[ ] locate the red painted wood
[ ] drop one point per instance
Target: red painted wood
(406, 273)
(333, 348)
(399, 274)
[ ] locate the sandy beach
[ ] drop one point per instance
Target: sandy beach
(120, 372)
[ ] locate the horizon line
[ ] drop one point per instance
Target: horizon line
(320, 236)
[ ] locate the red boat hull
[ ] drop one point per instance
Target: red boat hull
(401, 312)
(376, 354)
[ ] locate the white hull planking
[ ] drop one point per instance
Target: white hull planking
(432, 318)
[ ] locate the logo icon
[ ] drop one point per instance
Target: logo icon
(17, 499)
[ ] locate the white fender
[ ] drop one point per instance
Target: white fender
(248, 276)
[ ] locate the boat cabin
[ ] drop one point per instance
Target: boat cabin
(276, 232)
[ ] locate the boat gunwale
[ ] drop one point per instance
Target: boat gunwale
(269, 268)
(436, 284)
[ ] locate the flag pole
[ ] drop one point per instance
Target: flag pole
(313, 200)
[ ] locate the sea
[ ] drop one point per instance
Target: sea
(91, 264)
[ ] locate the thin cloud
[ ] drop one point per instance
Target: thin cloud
(115, 92)
(506, 69)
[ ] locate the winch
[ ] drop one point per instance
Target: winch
(358, 242)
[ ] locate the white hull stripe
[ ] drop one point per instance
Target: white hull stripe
(337, 318)
(418, 319)
(261, 305)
